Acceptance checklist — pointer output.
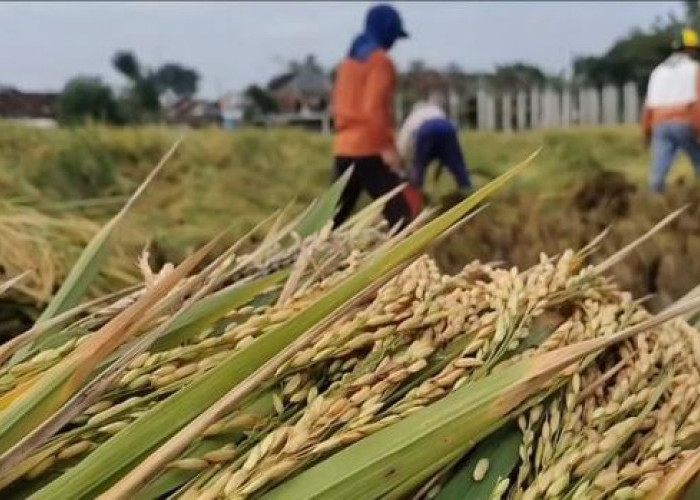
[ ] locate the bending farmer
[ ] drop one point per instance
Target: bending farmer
(672, 112)
(363, 99)
(427, 135)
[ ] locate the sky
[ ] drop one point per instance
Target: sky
(233, 44)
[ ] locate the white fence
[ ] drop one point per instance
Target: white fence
(543, 108)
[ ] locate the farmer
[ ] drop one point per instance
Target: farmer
(426, 136)
(672, 111)
(363, 99)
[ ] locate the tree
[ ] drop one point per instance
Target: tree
(259, 102)
(631, 58)
(692, 13)
(86, 99)
(417, 66)
(181, 80)
(519, 74)
(141, 101)
(126, 63)
(147, 95)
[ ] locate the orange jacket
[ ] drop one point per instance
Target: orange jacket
(363, 106)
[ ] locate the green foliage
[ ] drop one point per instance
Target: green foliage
(692, 13)
(141, 101)
(519, 74)
(126, 63)
(501, 450)
(180, 80)
(631, 58)
(142, 97)
(86, 99)
(259, 102)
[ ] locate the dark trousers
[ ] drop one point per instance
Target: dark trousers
(437, 140)
(371, 174)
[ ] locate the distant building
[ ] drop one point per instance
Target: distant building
(168, 99)
(305, 87)
(28, 108)
(195, 113)
(303, 97)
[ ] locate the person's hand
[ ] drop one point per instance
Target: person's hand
(391, 158)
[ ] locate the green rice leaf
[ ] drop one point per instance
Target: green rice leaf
(37, 401)
(211, 308)
(83, 272)
(324, 209)
(35, 409)
(501, 450)
(124, 451)
(87, 267)
(172, 479)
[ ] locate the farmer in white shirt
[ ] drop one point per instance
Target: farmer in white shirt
(672, 111)
(427, 135)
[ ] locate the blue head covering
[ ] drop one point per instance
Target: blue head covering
(383, 27)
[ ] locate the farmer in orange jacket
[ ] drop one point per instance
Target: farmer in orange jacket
(672, 109)
(363, 108)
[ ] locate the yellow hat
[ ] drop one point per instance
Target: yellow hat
(688, 40)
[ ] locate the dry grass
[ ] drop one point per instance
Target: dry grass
(47, 246)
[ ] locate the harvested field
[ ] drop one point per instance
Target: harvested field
(307, 361)
(219, 179)
(519, 226)
(345, 363)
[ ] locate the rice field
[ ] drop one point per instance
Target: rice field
(345, 363)
(220, 179)
(286, 359)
